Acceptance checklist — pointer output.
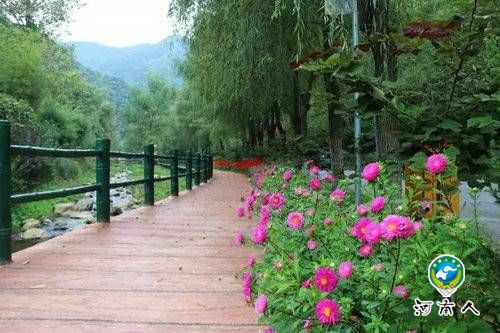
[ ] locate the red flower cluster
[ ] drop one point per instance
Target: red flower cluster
(245, 164)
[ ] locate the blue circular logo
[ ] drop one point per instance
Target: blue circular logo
(446, 271)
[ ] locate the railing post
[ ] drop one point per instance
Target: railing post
(189, 171)
(211, 165)
(174, 173)
(5, 191)
(197, 172)
(102, 180)
(202, 168)
(149, 175)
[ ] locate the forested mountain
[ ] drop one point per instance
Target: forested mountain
(133, 64)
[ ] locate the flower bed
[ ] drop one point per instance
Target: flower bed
(332, 266)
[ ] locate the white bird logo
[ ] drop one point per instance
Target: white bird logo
(444, 272)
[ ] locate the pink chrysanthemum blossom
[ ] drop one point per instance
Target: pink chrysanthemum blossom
(325, 280)
(240, 212)
(261, 304)
(315, 184)
(247, 286)
(310, 230)
(287, 175)
(307, 283)
(298, 191)
(269, 330)
(337, 195)
(396, 226)
(259, 234)
(295, 220)
(309, 162)
(315, 170)
(362, 211)
(359, 229)
(308, 324)
(401, 291)
(277, 200)
(327, 221)
(365, 250)
(329, 178)
(250, 261)
(373, 233)
(311, 244)
(327, 312)
(417, 226)
(310, 212)
(371, 172)
(285, 186)
(436, 163)
(238, 238)
(377, 204)
(378, 267)
(305, 193)
(278, 265)
(345, 269)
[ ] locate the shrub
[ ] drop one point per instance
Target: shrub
(330, 266)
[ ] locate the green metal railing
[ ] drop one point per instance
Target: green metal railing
(198, 168)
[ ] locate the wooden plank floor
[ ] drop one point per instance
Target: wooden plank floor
(168, 268)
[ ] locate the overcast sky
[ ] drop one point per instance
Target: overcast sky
(120, 22)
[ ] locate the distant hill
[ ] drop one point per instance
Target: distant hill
(133, 64)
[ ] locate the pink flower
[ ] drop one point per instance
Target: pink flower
(309, 162)
(285, 186)
(315, 184)
(298, 191)
(240, 212)
(378, 267)
(327, 312)
(310, 212)
(359, 229)
(337, 195)
(269, 330)
(401, 291)
(295, 220)
(365, 250)
(329, 178)
(345, 269)
(417, 226)
(310, 230)
(261, 304)
(305, 193)
(311, 244)
(278, 265)
(327, 221)
(373, 233)
(436, 163)
(259, 234)
(397, 226)
(325, 280)
(238, 238)
(287, 175)
(250, 261)
(362, 211)
(377, 204)
(371, 172)
(247, 286)
(277, 200)
(307, 324)
(307, 283)
(315, 170)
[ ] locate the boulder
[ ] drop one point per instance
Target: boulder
(83, 204)
(34, 233)
(60, 225)
(59, 209)
(31, 223)
(124, 203)
(90, 220)
(116, 211)
(77, 215)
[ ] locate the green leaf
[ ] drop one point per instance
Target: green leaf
(450, 125)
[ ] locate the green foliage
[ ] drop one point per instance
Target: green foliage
(366, 298)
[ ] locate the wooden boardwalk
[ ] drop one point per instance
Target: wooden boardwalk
(168, 268)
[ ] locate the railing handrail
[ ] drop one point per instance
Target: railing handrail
(199, 165)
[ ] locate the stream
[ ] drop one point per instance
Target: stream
(72, 216)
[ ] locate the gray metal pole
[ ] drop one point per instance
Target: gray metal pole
(357, 118)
